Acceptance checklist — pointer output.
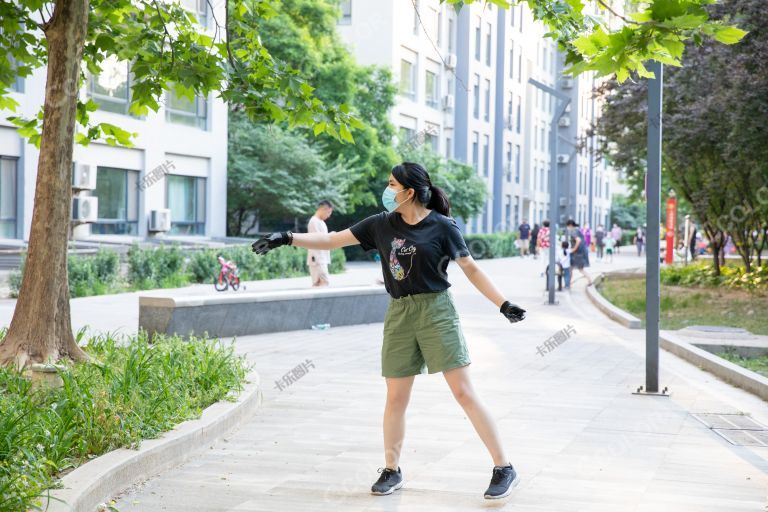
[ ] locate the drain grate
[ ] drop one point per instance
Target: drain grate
(744, 437)
(737, 429)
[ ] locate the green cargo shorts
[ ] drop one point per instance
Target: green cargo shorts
(422, 329)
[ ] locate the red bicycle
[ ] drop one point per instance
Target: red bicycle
(228, 276)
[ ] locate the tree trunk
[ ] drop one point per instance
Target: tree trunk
(41, 328)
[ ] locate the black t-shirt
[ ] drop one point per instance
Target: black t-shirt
(414, 258)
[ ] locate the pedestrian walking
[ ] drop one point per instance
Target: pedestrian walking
(417, 238)
(599, 241)
(639, 240)
(522, 242)
(565, 263)
(319, 259)
(579, 251)
(610, 243)
(532, 245)
(542, 240)
(617, 233)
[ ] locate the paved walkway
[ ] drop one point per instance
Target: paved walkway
(580, 440)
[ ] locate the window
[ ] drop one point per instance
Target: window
(517, 163)
(111, 90)
(488, 45)
(431, 93)
(519, 115)
(541, 179)
(508, 212)
(18, 84)
(8, 174)
(185, 197)
(544, 54)
(512, 62)
(450, 34)
(512, 16)
(521, 18)
(431, 136)
(448, 147)
(475, 149)
(520, 66)
(199, 8)
(517, 211)
(607, 195)
(487, 112)
(476, 97)
(346, 12)
(486, 143)
(477, 40)
(542, 139)
(508, 166)
(182, 110)
(406, 134)
(407, 79)
(118, 193)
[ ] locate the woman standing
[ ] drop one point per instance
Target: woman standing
(416, 238)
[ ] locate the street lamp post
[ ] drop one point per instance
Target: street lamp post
(554, 199)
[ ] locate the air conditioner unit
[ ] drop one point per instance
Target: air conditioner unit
(450, 60)
(568, 107)
(85, 208)
(567, 83)
(564, 121)
(160, 220)
(449, 102)
(83, 176)
(563, 201)
(563, 158)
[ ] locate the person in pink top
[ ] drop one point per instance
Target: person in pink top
(616, 235)
(542, 241)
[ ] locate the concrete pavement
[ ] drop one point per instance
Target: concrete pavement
(580, 440)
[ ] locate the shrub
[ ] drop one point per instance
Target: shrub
(493, 245)
(88, 275)
(159, 267)
(132, 390)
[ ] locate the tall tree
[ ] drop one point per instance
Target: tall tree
(167, 51)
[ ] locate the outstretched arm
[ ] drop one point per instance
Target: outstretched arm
(322, 241)
(484, 284)
(480, 280)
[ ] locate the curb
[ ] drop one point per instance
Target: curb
(729, 372)
(613, 312)
(97, 481)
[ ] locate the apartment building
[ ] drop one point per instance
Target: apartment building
(464, 85)
(172, 183)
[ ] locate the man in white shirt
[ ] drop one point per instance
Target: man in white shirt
(318, 260)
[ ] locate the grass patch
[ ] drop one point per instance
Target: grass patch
(132, 390)
(682, 306)
(755, 364)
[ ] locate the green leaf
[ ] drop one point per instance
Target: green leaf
(729, 34)
(345, 133)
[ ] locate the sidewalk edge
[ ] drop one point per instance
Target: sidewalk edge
(101, 479)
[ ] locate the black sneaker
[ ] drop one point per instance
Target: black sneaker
(504, 479)
(389, 481)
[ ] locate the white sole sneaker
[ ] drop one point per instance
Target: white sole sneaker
(393, 489)
(507, 493)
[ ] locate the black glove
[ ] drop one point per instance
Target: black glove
(512, 312)
(272, 240)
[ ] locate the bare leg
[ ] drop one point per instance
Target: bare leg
(398, 395)
(458, 381)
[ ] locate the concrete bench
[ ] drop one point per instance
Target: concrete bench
(240, 314)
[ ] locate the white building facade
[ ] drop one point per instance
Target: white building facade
(183, 145)
(464, 84)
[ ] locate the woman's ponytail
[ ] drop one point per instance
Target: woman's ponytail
(439, 201)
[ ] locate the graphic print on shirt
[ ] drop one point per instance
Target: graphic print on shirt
(399, 257)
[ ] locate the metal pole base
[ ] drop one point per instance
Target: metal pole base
(641, 391)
